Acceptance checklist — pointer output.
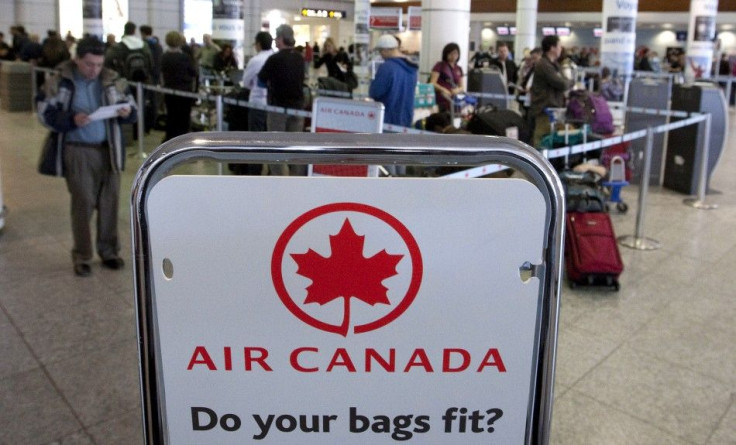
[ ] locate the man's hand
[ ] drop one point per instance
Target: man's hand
(124, 112)
(81, 119)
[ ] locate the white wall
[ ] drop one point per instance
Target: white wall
(7, 18)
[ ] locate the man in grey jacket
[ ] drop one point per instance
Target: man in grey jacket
(548, 87)
(93, 149)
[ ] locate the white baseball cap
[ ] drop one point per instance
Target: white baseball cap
(387, 41)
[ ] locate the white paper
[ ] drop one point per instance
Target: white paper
(107, 111)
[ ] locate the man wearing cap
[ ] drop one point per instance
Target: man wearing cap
(394, 83)
(283, 76)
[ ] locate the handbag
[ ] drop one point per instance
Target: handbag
(51, 161)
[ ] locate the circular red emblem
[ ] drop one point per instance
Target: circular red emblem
(345, 272)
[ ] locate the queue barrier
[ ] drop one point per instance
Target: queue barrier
(698, 202)
(230, 354)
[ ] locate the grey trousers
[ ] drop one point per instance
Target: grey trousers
(93, 185)
(283, 122)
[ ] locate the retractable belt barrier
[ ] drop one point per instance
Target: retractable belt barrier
(326, 310)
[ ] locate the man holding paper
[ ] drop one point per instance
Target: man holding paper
(93, 147)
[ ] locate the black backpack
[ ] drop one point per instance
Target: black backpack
(135, 67)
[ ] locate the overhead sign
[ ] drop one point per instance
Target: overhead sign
(414, 21)
(323, 13)
(351, 312)
(619, 35)
(700, 38)
(385, 18)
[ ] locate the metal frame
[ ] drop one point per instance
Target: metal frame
(318, 148)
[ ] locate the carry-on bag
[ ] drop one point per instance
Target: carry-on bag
(583, 191)
(500, 123)
(592, 257)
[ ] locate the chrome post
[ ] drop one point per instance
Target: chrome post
(34, 91)
(638, 241)
(699, 202)
(219, 111)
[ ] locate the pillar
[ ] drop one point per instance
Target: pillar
(228, 24)
(526, 27)
(92, 18)
(443, 22)
(700, 35)
(252, 25)
(619, 35)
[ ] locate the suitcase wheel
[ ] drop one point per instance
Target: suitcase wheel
(622, 207)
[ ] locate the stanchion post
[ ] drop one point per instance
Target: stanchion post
(33, 89)
(699, 201)
(729, 87)
(141, 119)
(638, 241)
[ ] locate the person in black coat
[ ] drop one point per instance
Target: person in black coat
(337, 62)
(507, 66)
(179, 73)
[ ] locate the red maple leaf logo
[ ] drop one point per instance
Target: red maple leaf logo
(346, 273)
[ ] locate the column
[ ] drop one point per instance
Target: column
(700, 35)
(361, 40)
(92, 17)
(35, 15)
(253, 22)
(443, 21)
(228, 24)
(619, 35)
(526, 27)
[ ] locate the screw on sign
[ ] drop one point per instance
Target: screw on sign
(346, 273)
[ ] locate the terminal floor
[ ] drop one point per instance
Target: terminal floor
(652, 364)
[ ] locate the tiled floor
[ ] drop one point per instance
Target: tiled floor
(652, 364)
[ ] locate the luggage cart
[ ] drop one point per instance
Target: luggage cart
(462, 109)
(616, 181)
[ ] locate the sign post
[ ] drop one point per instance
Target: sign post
(356, 310)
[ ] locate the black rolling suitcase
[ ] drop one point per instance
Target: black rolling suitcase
(500, 123)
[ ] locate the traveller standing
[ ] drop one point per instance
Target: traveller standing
(447, 77)
(283, 76)
(179, 72)
(507, 66)
(394, 83)
(258, 94)
(131, 57)
(548, 86)
(337, 62)
(93, 150)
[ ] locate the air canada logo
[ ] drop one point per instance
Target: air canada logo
(346, 267)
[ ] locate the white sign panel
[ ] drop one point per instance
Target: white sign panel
(414, 22)
(334, 115)
(385, 18)
(700, 38)
(342, 312)
(619, 35)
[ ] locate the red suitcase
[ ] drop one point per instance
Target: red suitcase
(592, 257)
